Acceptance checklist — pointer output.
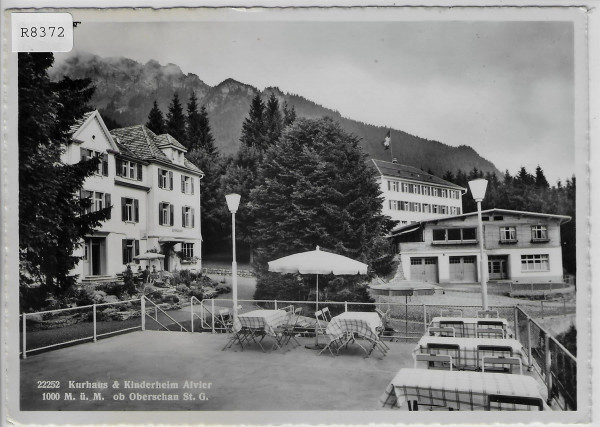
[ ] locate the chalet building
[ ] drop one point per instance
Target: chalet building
(154, 193)
(522, 247)
(411, 195)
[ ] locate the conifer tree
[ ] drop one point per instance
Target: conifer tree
(175, 125)
(253, 128)
(156, 120)
(206, 139)
(273, 120)
(540, 178)
(192, 128)
(316, 189)
(289, 114)
(52, 222)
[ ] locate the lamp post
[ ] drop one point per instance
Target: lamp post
(478, 187)
(233, 201)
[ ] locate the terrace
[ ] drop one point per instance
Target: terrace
(294, 378)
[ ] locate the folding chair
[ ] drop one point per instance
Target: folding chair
(285, 332)
(487, 313)
(321, 327)
(489, 333)
(493, 351)
(458, 325)
(225, 319)
(438, 349)
(505, 361)
(501, 402)
(326, 314)
(451, 312)
(444, 360)
(441, 332)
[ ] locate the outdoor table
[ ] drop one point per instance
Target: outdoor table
(249, 326)
(467, 326)
(470, 350)
(357, 324)
(462, 390)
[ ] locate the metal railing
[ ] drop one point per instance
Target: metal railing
(50, 329)
(553, 363)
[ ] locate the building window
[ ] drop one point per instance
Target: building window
(426, 208)
(426, 190)
(187, 184)
(131, 248)
(102, 165)
(535, 263)
(444, 193)
(455, 235)
(404, 187)
(187, 217)
(98, 201)
(165, 214)
(128, 169)
(187, 250)
(165, 179)
(417, 189)
(508, 235)
(539, 233)
(130, 210)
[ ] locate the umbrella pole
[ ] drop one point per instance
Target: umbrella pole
(317, 309)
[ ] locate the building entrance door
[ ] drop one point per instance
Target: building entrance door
(96, 256)
(498, 267)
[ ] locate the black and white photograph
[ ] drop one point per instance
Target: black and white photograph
(275, 215)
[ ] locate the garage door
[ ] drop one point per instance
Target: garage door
(424, 269)
(463, 269)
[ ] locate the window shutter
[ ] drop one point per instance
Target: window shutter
(123, 209)
(136, 210)
(170, 180)
(107, 203)
(193, 216)
(160, 214)
(172, 215)
(124, 250)
(192, 181)
(159, 178)
(105, 164)
(118, 167)
(137, 247)
(139, 171)
(183, 216)
(182, 184)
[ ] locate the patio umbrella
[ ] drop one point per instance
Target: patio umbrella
(317, 262)
(149, 256)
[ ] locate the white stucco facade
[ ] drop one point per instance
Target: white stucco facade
(133, 227)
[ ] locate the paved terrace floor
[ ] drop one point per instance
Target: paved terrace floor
(294, 379)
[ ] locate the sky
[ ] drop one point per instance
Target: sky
(505, 88)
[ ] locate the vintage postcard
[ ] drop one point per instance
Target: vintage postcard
(297, 215)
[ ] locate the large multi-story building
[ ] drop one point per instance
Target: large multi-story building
(411, 195)
(523, 247)
(154, 193)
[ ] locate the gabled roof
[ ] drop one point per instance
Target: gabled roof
(141, 142)
(561, 218)
(395, 170)
(77, 127)
(165, 140)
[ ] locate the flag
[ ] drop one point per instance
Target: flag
(387, 140)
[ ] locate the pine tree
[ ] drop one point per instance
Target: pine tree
(175, 125)
(51, 219)
(316, 189)
(253, 128)
(192, 128)
(540, 178)
(289, 115)
(207, 141)
(156, 120)
(273, 120)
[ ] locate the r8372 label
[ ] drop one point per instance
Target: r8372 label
(42, 32)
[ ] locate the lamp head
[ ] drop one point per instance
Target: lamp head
(233, 201)
(478, 187)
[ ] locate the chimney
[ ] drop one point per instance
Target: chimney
(395, 160)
